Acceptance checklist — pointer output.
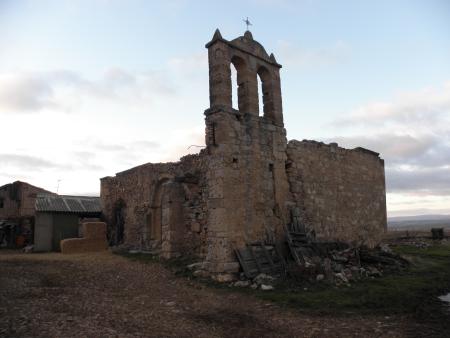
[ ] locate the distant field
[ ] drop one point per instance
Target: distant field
(419, 223)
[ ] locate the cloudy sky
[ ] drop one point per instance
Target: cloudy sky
(89, 88)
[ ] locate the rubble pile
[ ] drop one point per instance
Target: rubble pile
(351, 264)
(333, 263)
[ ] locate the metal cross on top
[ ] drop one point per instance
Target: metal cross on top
(247, 22)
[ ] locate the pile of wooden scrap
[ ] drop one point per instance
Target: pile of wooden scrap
(335, 261)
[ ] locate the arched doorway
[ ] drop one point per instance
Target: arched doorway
(154, 217)
(116, 232)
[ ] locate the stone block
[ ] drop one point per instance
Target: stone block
(94, 240)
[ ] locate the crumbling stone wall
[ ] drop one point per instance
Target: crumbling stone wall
(161, 205)
(341, 191)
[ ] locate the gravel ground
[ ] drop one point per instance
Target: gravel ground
(104, 295)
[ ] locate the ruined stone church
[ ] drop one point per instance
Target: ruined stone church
(242, 187)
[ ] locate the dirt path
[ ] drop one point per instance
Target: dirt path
(104, 295)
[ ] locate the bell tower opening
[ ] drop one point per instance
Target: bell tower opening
(234, 88)
(260, 97)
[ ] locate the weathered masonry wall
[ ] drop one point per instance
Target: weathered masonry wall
(341, 191)
(158, 206)
(248, 186)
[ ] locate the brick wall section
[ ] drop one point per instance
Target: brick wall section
(341, 191)
(18, 200)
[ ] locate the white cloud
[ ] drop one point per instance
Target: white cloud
(412, 133)
(393, 146)
(418, 110)
(78, 128)
(21, 93)
(66, 91)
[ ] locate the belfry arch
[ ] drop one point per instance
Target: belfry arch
(266, 93)
(241, 81)
(250, 60)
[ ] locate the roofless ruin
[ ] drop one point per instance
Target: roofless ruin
(249, 181)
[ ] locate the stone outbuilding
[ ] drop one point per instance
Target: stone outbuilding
(243, 186)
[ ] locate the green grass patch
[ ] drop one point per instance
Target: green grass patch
(403, 292)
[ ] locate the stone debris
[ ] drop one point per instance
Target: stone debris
(331, 262)
(320, 277)
(336, 262)
(262, 281)
(201, 273)
(265, 287)
(242, 284)
(224, 277)
(28, 249)
(340, 278)
(351, 264)
(195, 266)
(263, 278)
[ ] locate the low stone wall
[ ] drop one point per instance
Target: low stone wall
(341, 192)
(94, 239)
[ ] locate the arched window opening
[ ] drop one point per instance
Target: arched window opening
(265, 98)
(238, 87)
(260, 96)
(234, 87)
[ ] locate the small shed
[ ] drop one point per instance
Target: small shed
(58, 217)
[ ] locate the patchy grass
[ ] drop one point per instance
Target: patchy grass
(405, 292)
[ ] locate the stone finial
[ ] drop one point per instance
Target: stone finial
(248, 35)
(217, 35)
(272, 58)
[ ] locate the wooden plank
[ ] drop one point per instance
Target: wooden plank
(266, 253)
(250, 248)
(245, 267)
(255, 258)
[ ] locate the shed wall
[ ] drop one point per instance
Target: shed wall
(43, 232)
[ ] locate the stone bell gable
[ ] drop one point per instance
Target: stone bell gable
(249, 188)
(243, 187)
(250, 60)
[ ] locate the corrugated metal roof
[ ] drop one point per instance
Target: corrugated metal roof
(70, 204)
